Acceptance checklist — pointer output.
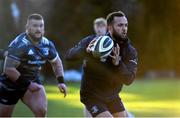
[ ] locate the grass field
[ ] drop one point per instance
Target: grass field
(143, 98)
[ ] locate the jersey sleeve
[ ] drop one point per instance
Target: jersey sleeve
(16, 50)
(132, 61)
(78, 51)
(128, 68)
(53, 55)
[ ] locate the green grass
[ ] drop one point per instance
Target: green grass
(142, 98)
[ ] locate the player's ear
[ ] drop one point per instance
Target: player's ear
(110, 28)
(26, 26)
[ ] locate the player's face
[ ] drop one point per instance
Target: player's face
(35, 29)
(120, 27)
(100, 29)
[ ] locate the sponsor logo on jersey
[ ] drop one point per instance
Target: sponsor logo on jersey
(37, 57)
(36, 62)
(30, 52)
(94, 109)
(46, 51)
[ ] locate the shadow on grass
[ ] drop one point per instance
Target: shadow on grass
(56, 108)
(62, 109)
(153, 98)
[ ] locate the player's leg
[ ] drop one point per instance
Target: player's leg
(129, 114)
(120, 114)
(105, 114)
(36, 101)
(116, 108)
(86, 113)
(6, 110)
(125, 113)
(97, 109)
(8, 98)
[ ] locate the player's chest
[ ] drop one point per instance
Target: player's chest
(36, 53)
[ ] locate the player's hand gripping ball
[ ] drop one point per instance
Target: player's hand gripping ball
(101, 46)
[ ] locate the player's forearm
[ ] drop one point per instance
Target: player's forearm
(12, 73)
(128, 79)
(10, 68)
(58, 71)
(74, 53)
(58, 68)
(128, 74)
(78, 51)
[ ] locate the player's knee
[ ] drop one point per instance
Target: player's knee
(5, 110)
(86, 113)
(105, 114)
(5, 114)
(41, 112)
(120, 114)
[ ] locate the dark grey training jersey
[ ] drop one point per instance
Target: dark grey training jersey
(102, 79)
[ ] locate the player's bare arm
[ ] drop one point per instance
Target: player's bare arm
(58, 67)
(59, 73)
(13, 74)
(10, 68)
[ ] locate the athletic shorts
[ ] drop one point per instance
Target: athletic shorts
(95, 106)
(9, 94)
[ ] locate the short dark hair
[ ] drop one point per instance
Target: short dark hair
(110, 17)
(35, 17)
(100, 21)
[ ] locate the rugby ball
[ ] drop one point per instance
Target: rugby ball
(102, 47)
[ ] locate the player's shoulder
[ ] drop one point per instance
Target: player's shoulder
(88, 39)
(108, 34)
(19, 41)
(131, 49)
(46, 42)
(91, 36)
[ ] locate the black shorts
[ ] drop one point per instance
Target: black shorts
(9, 94)
(95, 106)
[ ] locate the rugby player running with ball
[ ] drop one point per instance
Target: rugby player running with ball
(102, 81)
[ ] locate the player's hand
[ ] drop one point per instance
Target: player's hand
(33, 87)
(115, 55)
(62, 87)
(91, 44)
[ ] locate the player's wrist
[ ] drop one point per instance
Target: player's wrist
(89, 50)
(60, 79)
(117, 61)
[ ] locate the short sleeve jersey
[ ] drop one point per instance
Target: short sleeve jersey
(31, 57)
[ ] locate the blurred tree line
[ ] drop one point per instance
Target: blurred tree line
(153, 26)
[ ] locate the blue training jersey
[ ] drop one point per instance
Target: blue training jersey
(31, 57)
